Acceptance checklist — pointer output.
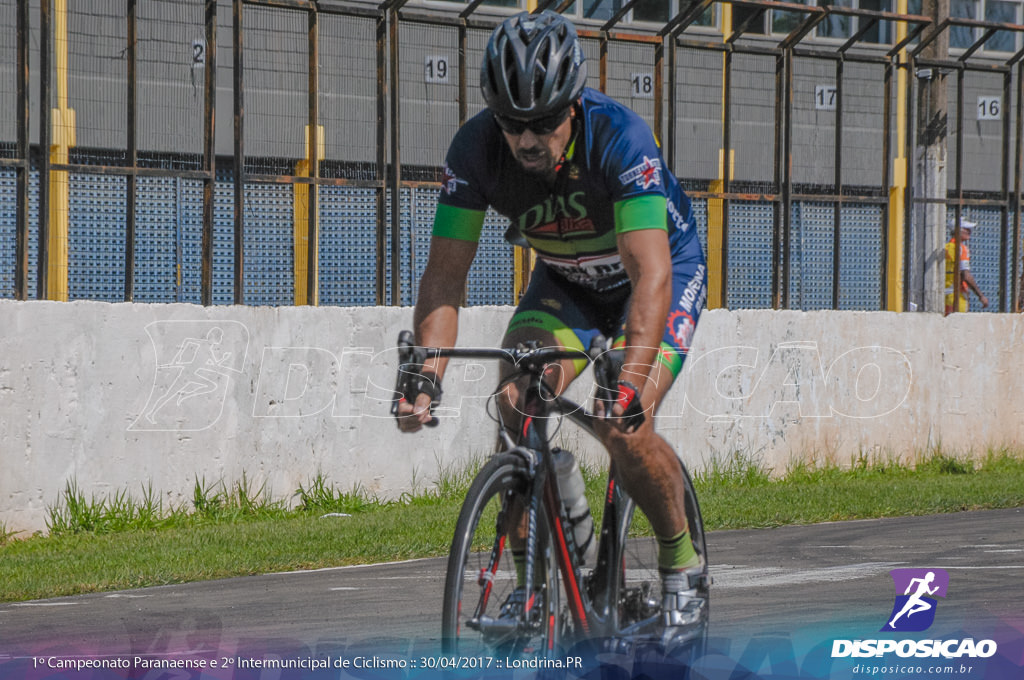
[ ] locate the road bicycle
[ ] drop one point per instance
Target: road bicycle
(613, 598)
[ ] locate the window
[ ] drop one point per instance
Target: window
(656, 11)
(742, 14)
(838, 25)
(1000, 11)
(1006, 13)
(883, 32)
(490, 3)
(599, 9)
(961, 36)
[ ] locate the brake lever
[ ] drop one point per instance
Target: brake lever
(410, 360)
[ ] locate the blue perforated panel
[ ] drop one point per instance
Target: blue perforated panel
(157, 234)
(8, 232)
(348, 237)
(96, 237)
(269, 244)
(169, 235)
(860, 257)
(750, 255)
(810, 282)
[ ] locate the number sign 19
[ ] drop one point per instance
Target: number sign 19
(435, 69)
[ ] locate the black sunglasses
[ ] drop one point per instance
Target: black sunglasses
(538, 126)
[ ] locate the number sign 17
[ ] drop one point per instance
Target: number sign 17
(825, 97)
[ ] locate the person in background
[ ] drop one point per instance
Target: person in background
(967, 282)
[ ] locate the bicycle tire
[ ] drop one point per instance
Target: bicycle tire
(636, 586)
(472, 603)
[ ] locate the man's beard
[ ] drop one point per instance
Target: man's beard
(542, 164)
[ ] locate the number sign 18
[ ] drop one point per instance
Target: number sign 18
(641, 85)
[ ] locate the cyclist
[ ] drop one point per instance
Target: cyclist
(582, 180)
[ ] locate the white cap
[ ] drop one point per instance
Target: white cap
(964, 223)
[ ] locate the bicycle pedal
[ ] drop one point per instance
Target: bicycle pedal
(489, 624)
(617, 646)
(700, 580)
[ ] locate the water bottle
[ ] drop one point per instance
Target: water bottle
(571, 488)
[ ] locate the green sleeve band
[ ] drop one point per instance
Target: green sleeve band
(649, 211)
(458, 223)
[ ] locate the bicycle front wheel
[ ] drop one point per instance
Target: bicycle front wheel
(482, 611)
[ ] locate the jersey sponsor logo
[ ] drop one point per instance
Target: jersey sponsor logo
(681, 326)
(695, 292)
(677, 217)
(565, 227)
(557, 217)
(450, 181)
(586, 270)
(645, 175)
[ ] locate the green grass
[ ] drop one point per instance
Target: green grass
(98, 544)
(937, 482)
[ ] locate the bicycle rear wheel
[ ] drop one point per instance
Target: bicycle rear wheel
(636, 585)
(481, 575)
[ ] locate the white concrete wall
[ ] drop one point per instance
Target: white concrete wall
(282, 393)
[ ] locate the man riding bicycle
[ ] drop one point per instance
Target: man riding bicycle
(582, 180)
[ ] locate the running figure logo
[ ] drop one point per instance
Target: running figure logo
(194, 363)
(914, 609)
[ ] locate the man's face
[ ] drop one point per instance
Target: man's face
(538, 154)
(965, 234)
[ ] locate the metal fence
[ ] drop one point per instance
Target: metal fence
(790, 126)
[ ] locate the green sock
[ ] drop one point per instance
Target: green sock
(519, 560)
(677, 553)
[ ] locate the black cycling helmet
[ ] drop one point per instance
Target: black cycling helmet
(533, 66)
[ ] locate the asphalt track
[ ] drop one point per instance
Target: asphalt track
(797, 587)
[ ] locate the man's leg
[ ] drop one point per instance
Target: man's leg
(510, 405)
(650, 472)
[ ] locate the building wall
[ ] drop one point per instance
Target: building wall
(275, 58)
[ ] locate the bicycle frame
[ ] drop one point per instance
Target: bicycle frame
(593, 612)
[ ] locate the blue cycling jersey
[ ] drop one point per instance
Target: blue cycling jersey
(614, 180)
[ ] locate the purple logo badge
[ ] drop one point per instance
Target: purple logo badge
(914, 609)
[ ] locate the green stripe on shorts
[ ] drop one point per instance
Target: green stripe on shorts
(531, 318)
(668, 356)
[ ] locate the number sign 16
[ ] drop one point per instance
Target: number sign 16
(990, 108)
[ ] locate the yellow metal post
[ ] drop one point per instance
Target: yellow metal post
(898, 190)
(525, 259)
(300, 212)
(716, 206)
(60, 146)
